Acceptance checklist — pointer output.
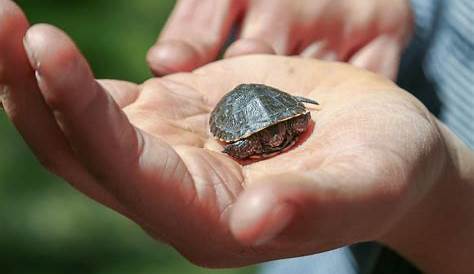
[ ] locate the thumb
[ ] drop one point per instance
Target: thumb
(323, 209)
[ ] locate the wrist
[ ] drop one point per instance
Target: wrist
(437, 234)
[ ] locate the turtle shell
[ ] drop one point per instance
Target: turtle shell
(249, 108)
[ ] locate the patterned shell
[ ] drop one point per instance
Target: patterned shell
(249, 108)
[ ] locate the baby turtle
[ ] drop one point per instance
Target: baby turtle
(257, 121)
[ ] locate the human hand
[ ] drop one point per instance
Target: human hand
(145, 150)
(368, 34)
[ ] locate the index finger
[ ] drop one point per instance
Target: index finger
(26, 108)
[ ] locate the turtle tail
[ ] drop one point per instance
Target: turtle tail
(306, 100)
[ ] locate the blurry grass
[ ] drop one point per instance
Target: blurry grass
(45, 225)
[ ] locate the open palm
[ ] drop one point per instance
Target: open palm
(146, 150)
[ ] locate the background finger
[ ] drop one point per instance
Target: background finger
(319, 50)
(268, 23)
(193, 35)
(381, 55)
(249, 46)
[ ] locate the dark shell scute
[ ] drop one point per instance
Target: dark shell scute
(249, 108)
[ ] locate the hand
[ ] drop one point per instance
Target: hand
(145, 150)
(368, 34)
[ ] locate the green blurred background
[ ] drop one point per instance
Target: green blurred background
(45, 225)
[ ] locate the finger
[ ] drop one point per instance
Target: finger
(12, 28)
(127, 162)
(193, 36)
(92, 122)
(381, 55)
(26, 108)
(319, 50)
(248, 46)
(270, 23)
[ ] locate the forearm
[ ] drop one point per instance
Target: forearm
(438, 235)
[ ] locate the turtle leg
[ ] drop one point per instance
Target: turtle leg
(299, 124)
(274, 136)
(243, 148)
(288, 139)
(294, 128)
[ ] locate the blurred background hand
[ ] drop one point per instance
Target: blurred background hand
(368, 34)
(145, 150)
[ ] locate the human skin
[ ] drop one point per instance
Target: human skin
(377, 165)
(368, 34)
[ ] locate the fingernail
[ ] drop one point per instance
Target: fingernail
(329, 56)
(248, 46)
(30, 53)
(278, 220)
(38, 76)
(32, 58)
(314, 50)
(172, 56)
(3, 94)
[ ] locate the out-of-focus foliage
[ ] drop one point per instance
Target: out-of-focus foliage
(45, 225)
